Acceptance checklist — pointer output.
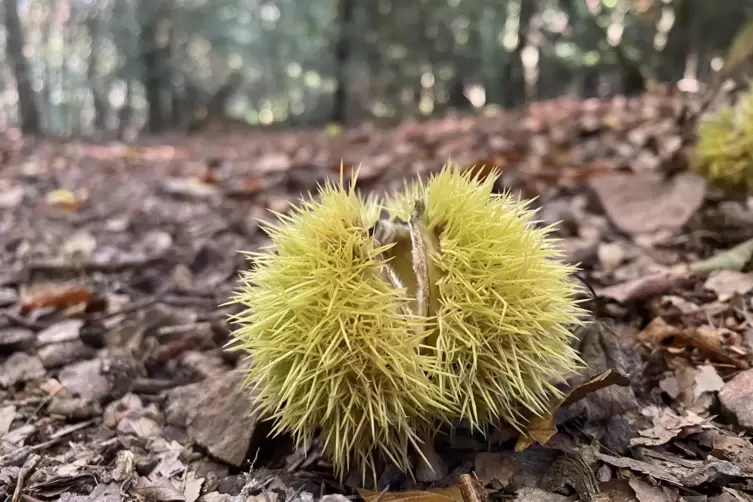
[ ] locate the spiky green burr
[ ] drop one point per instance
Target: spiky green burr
(502, 302)
(333, 348)
(373, 332)
(723, 153)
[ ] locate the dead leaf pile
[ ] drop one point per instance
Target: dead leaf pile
(116, 259)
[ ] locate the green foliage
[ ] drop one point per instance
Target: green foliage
(404, 58)
(375, 332)
(724, 151)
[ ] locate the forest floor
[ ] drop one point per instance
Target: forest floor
(115, 259)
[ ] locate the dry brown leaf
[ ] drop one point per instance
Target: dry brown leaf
(645, 202)
(708, 339)
(542, 429)
(493, 466)
(274, 162)
(647, 286)
(11, 196)
(645, 492)
(472, 489)
(728, 283)
(64, 199)
(449, 494)
(707, 379)
(54, 295)
(735, 449)
(666, 425)
(191, 187)
(208, 177)
(655, 471)
(252, 184)
(589, 171)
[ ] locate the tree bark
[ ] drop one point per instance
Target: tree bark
(342, 54)
(27, 106)
(101, 108)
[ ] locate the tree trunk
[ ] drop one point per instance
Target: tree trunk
(152, 59)
(125, 114)
(27, 106)
(514, 84)
(101, 107)
(342, 54)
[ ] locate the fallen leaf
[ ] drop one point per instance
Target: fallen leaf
(732, 495)
(471, 488)
(707, 380)
(658, 333)
(728, 283)
(542, 428)
(20, 367)
(449, 494)
(735, 449)
(63, 331)
(158, 491)
(641, 203)
(667, 425)
(655, 471)
(111, 492)
(64, 199)
(731, 259)
(493, 466)
(538, 495)
(190, 187)
(11, 197)
(81, 244)
(192, 490)
(220, 399)
(646, 287)
(54, 295)
(7, 416)
(85, 379)
(611, 255)
(645, 492)
(273, 162)
(16, 339)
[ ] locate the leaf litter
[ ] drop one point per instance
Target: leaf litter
(115, 385)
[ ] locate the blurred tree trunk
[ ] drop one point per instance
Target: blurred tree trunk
(47, 108)
(179, 108)
(675, 53)
(153, 60)
(70, 112)
(513, 82)
(342, 54)
(125, 114)
(27, 106)
(492, 55)
(100, 102)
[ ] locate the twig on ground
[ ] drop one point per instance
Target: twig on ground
(59, 265)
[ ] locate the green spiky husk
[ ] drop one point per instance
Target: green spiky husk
(336, 351)
(503, 304)
(723, 153)
(331, 348)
